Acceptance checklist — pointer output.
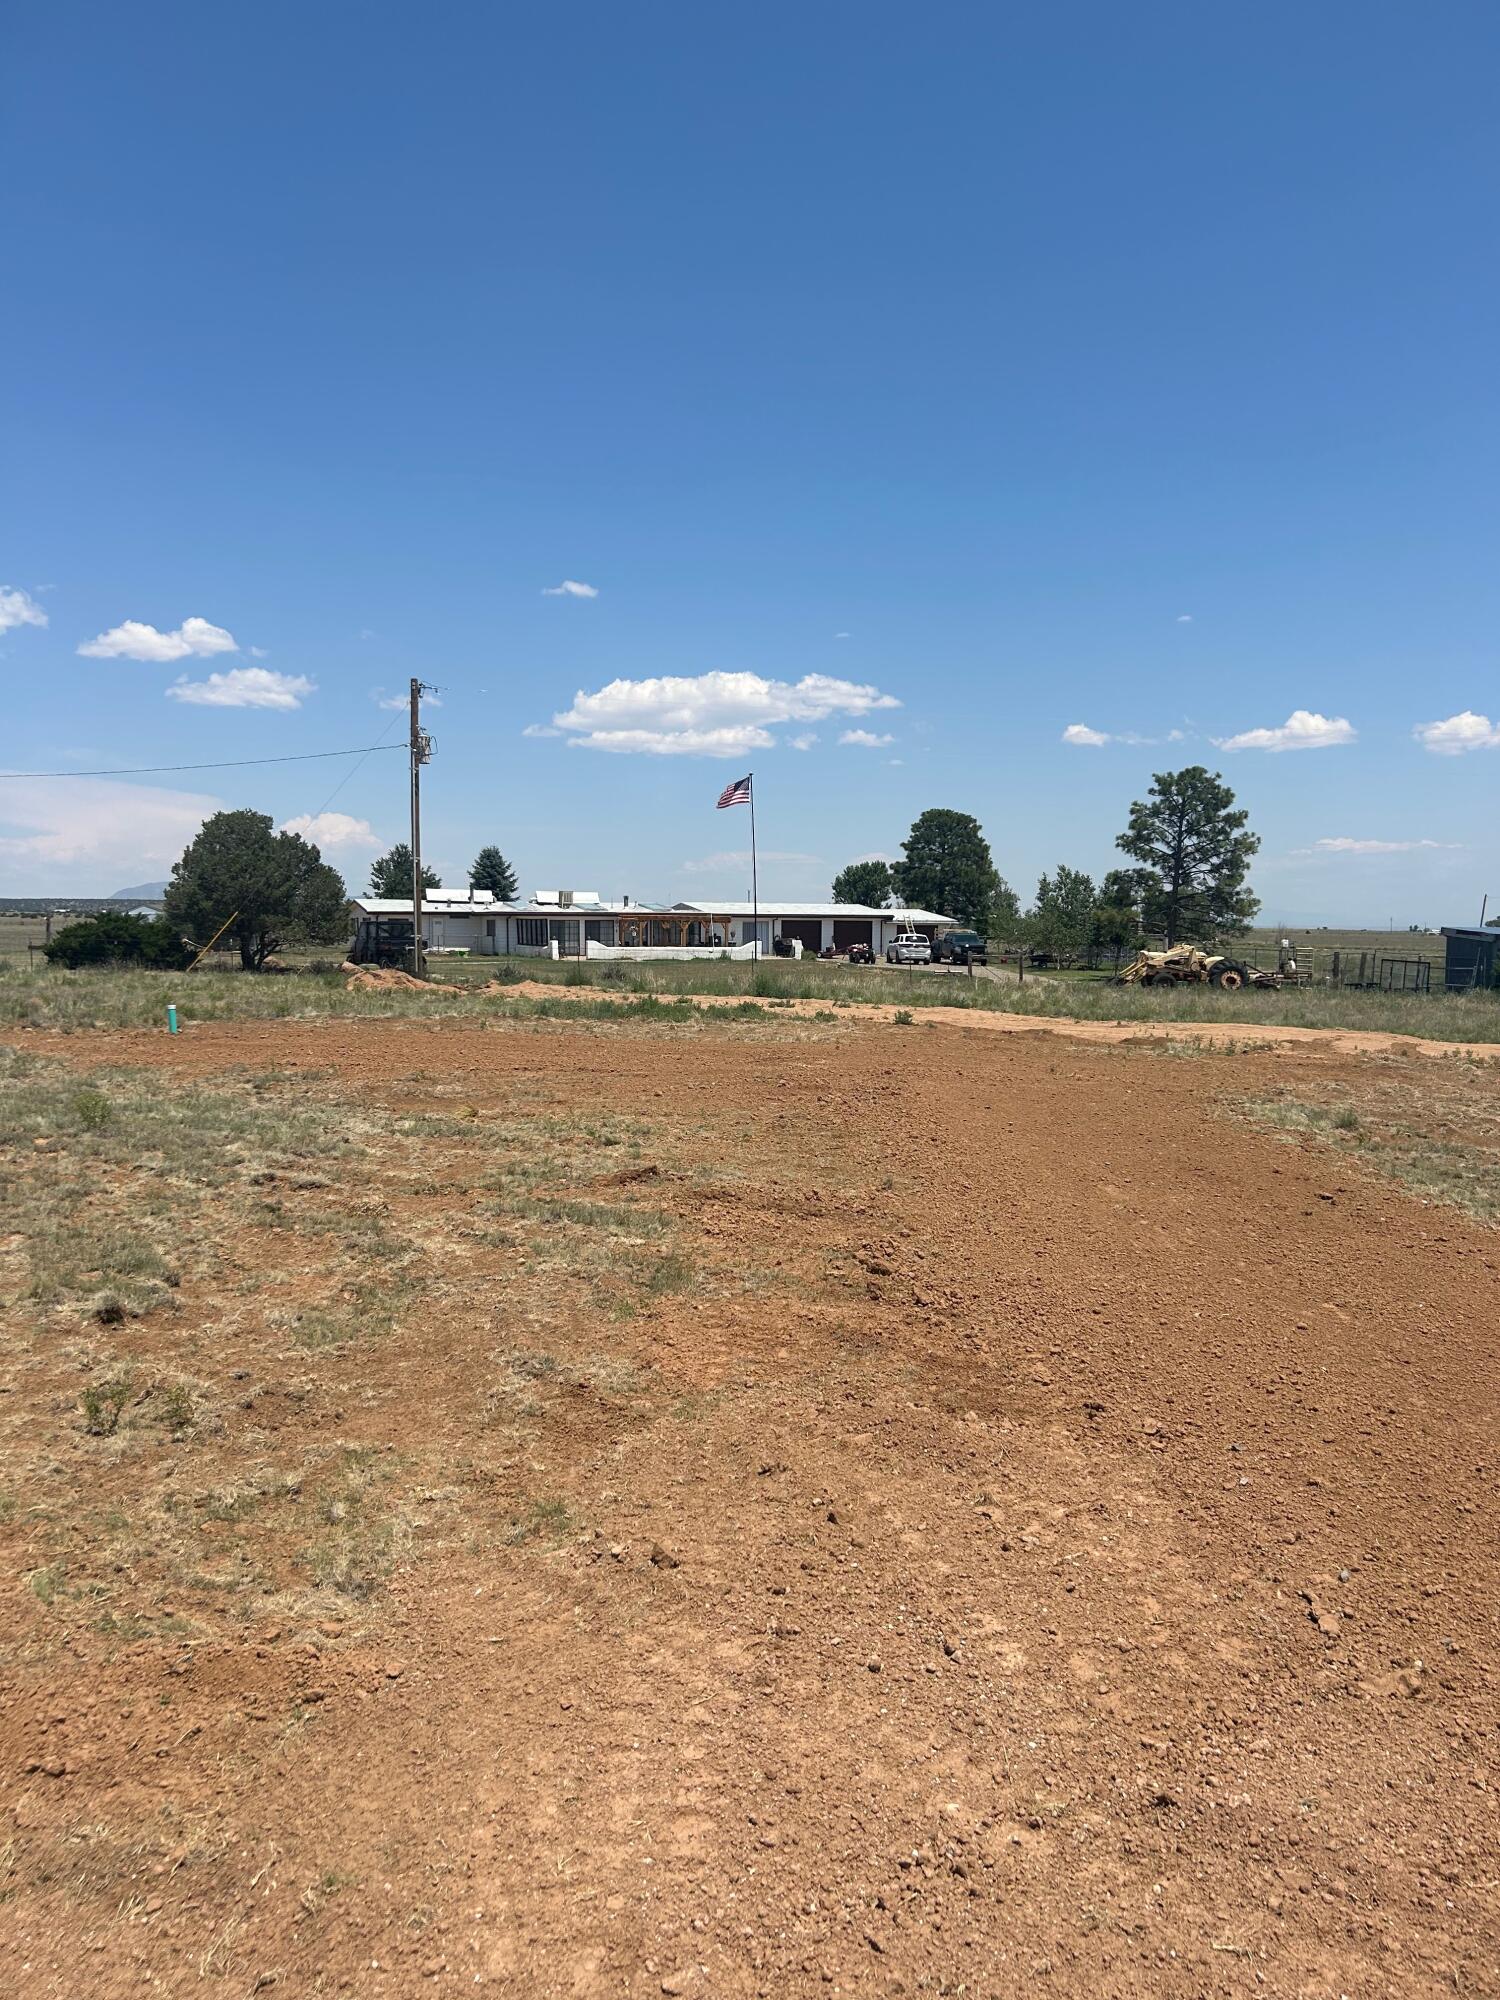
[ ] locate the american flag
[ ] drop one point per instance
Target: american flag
(737, 794)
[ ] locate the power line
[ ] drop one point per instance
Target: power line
(357, 768)
(233, 764)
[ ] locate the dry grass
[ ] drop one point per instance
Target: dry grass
(655, 997)
(1438, 1138)
(198, 1270)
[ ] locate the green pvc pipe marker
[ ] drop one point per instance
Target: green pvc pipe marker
(171, 1020)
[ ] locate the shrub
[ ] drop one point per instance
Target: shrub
(113, 938)
(93, 1109)
(103, 1403)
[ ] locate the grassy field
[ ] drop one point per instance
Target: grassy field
(1263, 939)
(16, 933)
(1315, 949)
(73, 1001)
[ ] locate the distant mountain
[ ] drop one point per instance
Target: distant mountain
(143, 892)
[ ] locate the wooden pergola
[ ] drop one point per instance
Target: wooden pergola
(672, 927)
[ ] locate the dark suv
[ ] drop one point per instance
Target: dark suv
(962, 948)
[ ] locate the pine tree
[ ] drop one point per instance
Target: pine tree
(390, 876)
(491, 870)
(276, 886)
(1195, 852)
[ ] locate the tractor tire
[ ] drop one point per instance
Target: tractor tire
(1158, 979)
(1228, 978)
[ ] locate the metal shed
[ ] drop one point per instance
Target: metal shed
(1470, 957)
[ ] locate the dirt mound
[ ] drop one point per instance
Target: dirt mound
(533, 989)
(1230, 1034)
(387, 979)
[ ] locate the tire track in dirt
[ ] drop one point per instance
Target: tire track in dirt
(1074, 1569)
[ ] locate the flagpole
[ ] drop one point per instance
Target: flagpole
(754, 868)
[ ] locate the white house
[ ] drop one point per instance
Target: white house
(565, 922)
(452, 920)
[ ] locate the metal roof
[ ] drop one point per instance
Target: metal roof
(772, 907)
(441, 902)
(449, 903)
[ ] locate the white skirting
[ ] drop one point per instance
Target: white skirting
(688, 953)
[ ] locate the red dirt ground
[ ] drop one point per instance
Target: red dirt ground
(1054, 1551)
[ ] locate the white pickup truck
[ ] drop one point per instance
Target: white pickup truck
(908, 948)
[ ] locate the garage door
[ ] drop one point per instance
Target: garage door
(852, 930)
(808, 929)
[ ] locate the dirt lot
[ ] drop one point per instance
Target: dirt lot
(866, 1509)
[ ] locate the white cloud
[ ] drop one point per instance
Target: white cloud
(16, 608)
(877, 856)
(135, 641)
(244, 687)
(104, 831)
(843, 635)
(865, 739)
(568, 588)
(257, 652)
(1303, 729)
(805, 741)
(708, 715)
(1458, 733)
(739, 857)
(333, 829)
(1342, 844)
(1185, 618)
(1081, 736)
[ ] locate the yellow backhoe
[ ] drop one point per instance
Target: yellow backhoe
(1186, 965)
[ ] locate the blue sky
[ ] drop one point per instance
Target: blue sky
(963, 376)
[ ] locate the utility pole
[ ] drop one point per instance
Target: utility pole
(421, 750)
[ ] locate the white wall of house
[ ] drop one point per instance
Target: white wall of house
(569, 932)
(639, 953)
(442, 932)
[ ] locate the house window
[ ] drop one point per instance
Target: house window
(566, 932)
(531, 930)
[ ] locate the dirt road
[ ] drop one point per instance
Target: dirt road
(1046, 1544)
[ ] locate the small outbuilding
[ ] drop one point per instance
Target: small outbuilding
(1470, 957)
